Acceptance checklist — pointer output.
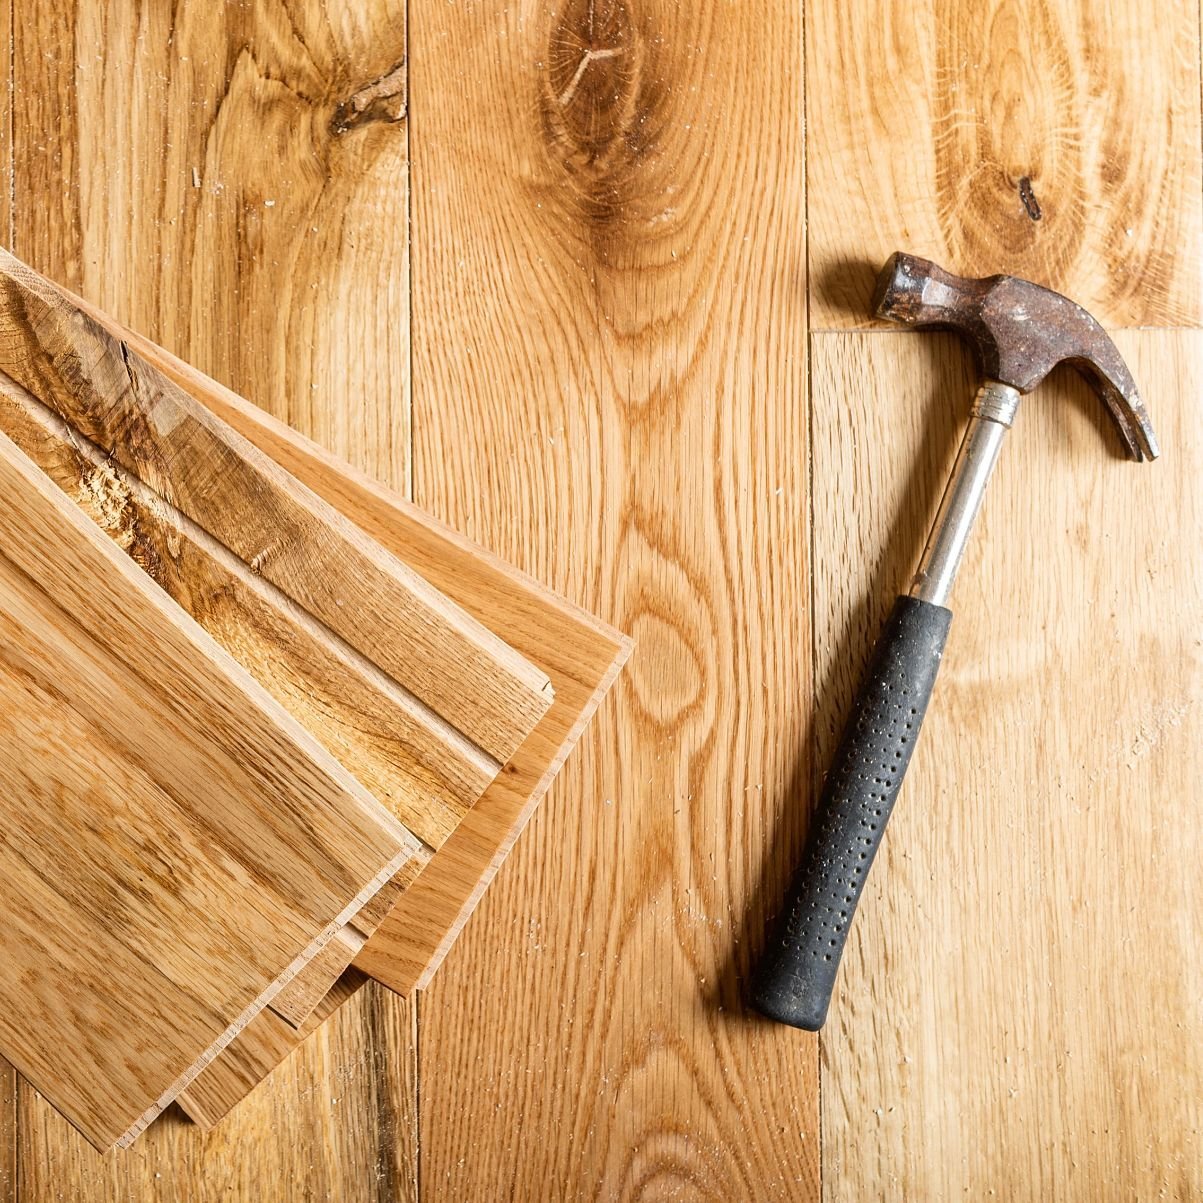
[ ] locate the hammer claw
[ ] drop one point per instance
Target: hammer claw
(1021, 332)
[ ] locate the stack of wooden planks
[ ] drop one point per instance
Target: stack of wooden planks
(264, 720)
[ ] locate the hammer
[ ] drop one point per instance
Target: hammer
(1021, 332)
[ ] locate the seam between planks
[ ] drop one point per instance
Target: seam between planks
(812, 741)
(416, 1017)
(14, 1134)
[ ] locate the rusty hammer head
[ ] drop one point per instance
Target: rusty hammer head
(1021, 331)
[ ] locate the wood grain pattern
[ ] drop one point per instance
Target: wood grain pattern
(104, 176)
(1104, 100)
(1018, 1009)
(312, 1133)
(423, 771)
(8, 1075)
(1055, 141)
(621, 184)
(263, 1045)
(580, 655)
(175, 843)
(9, 1180)
(270, 233)
(289, 536)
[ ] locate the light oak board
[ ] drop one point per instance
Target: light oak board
(609, 222)
(1018, 1007)
(1055, 141)
(313, 323)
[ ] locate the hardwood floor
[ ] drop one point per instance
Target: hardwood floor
(625, 216)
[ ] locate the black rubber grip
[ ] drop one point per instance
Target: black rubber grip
(794, 980)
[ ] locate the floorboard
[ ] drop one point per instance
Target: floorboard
(608, 226)
(1056, 141)
(1017, 1008)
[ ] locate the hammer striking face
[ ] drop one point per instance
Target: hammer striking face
(1021, 332)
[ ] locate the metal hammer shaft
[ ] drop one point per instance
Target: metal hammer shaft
(993, 412)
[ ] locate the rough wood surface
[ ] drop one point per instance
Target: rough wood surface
(1018, 1005)
(621, 184)
(9, 1182)
(1057, 141)
(174, 842)
(265, 1043)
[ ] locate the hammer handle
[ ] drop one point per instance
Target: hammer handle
(794, 980)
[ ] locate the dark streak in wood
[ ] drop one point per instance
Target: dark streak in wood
(1031, 206)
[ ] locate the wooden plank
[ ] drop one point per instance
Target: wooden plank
(411, 761)
(581, 656)
(175, 843)
(1058, 141)
(9, 1180)
(283, 312)
(264, 1044)
(1018, 1006)
(269, 232)
(621, 184)
(343, 1142)
(159, 434)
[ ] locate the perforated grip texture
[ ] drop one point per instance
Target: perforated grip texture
(794, 980)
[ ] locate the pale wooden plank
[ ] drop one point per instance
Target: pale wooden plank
(175, 842)
(312, 1134)
(8, 1075)
(1018, 1005)
(929, 123)
(422, 770)
(621, 186)
(9, 1180)
(581, 655)
(265, 1043)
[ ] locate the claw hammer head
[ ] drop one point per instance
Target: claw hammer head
(1021, 332)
